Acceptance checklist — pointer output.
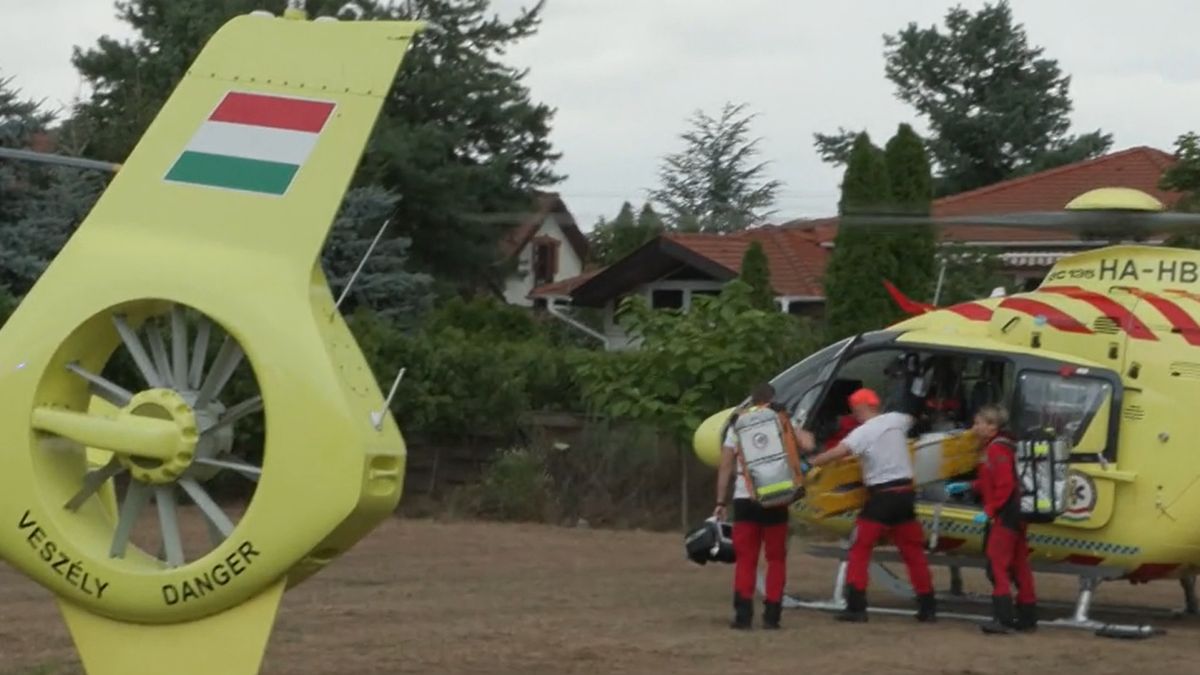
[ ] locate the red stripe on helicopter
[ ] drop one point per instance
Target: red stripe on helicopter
(972, 310)
(1054, 316)
(1180, 320)
(1128, 322)
(1150, 572)
(1089, 560)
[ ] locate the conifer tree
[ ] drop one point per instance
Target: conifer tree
(913, 246)
(756, 272)
(855, 298)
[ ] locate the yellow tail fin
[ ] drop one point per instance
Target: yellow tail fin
(258, 143)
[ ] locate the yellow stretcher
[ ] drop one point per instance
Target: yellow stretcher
(837, 488)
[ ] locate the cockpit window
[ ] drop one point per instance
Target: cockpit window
(801, 382)
(1061, 406)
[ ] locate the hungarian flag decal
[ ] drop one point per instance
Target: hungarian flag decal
(252, 142)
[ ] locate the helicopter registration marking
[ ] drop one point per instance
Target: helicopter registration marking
(59, 562)
(1115, 269)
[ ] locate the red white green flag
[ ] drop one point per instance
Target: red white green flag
(252, 142)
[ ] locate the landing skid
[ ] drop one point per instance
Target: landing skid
(1080, 618)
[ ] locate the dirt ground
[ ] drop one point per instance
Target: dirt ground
(431, 597)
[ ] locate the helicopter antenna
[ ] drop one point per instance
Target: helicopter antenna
(61, 160)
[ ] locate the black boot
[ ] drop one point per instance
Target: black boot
(1027, 618)
(856, 606)
(926, 608)
(1002, 616)
(743, 612)
(771, 614)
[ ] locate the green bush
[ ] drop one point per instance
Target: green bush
(516, 486)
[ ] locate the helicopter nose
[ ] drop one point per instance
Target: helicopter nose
(706, 442)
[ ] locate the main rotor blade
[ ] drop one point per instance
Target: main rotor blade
(1133, 221)
(92, 481)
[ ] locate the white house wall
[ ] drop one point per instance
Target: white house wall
(518, 286)
(618, 339)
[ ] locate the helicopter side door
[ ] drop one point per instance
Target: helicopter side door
(1077, 405)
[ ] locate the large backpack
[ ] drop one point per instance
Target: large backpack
(767, 455)
(1041, 464)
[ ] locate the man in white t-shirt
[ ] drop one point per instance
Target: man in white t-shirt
(880, 443)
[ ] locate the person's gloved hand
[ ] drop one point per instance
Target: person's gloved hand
(980, 518)
(957, 487)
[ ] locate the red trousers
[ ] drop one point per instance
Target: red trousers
(1008, 554)
(908, 537)
(748, 537)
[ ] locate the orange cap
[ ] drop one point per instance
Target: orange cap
(864, 397)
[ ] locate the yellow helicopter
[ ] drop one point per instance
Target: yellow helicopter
(1105, 352)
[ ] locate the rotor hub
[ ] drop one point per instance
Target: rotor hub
(167, 405)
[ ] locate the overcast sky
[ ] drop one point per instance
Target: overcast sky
(624, 76)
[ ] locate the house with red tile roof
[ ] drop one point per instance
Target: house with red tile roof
(674, 268)
(544, 247)
(1028, 253)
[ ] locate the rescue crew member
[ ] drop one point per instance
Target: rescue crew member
(1004, 535)
(754, 527)
(880, 443)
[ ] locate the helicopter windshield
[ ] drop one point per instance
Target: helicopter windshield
(798, 387)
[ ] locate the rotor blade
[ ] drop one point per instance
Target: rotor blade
(104, 388)
(233, 464)
(179, 355)
(168, 521)
(1129, 220)
(237, 412)
(227, 360)
(199, 353)
(158, 350)
(210, 508)
(134, 345)
(135, 500)
(92, 481)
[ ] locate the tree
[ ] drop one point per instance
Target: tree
(40, 205)
(383, 285)
(459, 139)
(714, 183)
(914, 246)
(691, 364)
(20, 119)
(756, 273)
(613, 240)
(1184, 176)
(855, 298)
(996, 107)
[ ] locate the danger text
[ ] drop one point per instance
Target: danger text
(64, 565)
(219, 575)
